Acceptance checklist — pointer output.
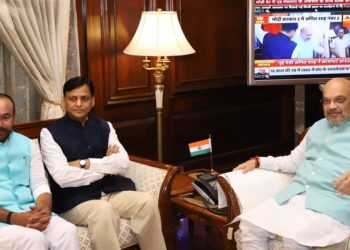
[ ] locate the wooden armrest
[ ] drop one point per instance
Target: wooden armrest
(182, 185)
(233, 207)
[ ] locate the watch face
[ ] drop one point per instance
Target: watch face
(82, 163)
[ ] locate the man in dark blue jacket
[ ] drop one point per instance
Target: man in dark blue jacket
(280, 46)
(86, 163)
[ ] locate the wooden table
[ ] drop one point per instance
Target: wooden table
(194, 212)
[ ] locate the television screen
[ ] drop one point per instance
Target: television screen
(298, 41)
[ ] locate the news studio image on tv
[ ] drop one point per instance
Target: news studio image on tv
(301, 38)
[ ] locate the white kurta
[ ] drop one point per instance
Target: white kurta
(293, 221)
(290, 220)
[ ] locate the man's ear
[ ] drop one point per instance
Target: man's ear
(93, 101)
(63, 103)
(14, 118)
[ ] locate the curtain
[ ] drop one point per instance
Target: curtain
(15, 83)
(42, 37)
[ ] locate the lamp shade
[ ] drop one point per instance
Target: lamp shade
(159, 34)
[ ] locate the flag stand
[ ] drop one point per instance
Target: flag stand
(203, 147)
(211, 156)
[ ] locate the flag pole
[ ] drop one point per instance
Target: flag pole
(211, 156)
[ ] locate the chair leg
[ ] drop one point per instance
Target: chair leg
(191, 225)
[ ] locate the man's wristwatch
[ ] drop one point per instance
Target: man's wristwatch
(82, 163)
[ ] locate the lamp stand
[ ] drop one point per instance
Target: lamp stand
(162, 64)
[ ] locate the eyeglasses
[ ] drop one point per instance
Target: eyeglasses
(338, 100)
(84, 98)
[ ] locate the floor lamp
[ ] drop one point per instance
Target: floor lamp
(159, 34)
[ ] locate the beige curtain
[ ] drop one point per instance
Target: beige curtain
(38, 34)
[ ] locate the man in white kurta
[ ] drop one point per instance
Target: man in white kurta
(25, 197)
(313, 209)
(340, 46)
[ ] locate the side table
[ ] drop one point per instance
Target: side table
(182, 188)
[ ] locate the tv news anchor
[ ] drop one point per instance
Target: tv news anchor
(313, 210)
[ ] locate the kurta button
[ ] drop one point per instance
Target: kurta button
(313, 173)
(89, 146)
(307, 186)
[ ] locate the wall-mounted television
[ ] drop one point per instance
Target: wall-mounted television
(298, 41)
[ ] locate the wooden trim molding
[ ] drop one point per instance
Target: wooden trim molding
(31, 129)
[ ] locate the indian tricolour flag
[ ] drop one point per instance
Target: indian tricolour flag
(200, 147)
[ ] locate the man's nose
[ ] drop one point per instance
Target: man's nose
(79, 102)
(333, 104)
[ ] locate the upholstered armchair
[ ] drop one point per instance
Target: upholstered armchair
(251, 189)
(151, 177)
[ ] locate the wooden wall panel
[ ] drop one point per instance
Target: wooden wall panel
(124, 79)
(313, 107)
(217, 32)
(238, 119)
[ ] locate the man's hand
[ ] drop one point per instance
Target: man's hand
(246, 166)
(38, 218)
(342, 184)
(112, 150)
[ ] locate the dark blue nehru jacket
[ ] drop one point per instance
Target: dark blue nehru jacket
(82, 142)
(277, 46)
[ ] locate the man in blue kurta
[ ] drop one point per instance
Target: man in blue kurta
(313, 210)
(25, 198)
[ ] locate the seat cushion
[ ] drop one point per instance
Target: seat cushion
(126, 236)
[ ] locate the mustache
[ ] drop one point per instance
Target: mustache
(333, 111)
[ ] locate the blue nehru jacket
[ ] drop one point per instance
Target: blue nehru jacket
(15, 192)
(327, 157)
(277, 46)
(82, 142)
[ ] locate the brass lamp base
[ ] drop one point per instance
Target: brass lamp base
(162, 64)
